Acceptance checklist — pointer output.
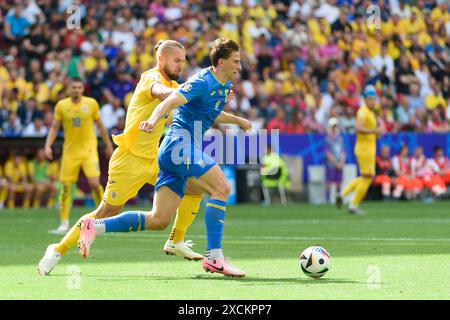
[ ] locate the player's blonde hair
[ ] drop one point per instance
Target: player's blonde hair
(164, 45)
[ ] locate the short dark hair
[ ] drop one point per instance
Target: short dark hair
(222, 48)
(437, 148)
(76, 79)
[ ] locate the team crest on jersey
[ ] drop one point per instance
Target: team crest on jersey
(186, 87)
(84, 108)
(220, 92)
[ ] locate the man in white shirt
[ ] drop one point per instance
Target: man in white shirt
(384, 60)
(35, 129)
(111, 113)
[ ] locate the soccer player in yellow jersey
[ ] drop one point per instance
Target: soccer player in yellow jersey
(134, 162)
(365, 149)
(3, 188)
(77, 114)
(16, 174)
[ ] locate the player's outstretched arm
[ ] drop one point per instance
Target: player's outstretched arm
(105, 137)
(160, 91)
(173, 101)
(51, 137)
(225, 117)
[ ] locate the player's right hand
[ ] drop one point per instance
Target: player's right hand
(48, 153)
(146, 126)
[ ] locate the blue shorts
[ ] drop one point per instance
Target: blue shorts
(178, 160)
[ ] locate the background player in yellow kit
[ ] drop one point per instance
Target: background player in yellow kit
(4, 185)
(77, 114)
(134, 162)
(17, 176)
(365, 152)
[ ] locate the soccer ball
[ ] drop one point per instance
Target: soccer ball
(315, 261)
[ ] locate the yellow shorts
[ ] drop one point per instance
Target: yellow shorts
(70, 167)
(126, 175)
(366, 164)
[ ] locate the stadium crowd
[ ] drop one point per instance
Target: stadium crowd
(303, 61)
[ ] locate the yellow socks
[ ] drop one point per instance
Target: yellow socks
(3, 195)
(361, 190)
(51, 202)
(186, 213)
(71, 238)
(37, 203)
(65, 201)
(26, 203)
(97, 195)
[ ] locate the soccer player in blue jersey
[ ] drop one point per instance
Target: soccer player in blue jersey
(180, 159)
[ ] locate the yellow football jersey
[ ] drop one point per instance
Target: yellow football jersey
(366, 142)
(141, 106)
(78, 124)
(16, 174)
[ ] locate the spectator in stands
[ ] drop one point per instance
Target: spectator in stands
(427, 173)
(12, 128)
(28, 112)
(16, 26)
(384, 172)
(414, 98)
(296, 125)
(384, 64)
(437, 122)
(16, 173)
(347, 120)
(278, 122)
(335, 157)
(111, 113)
(435, 98)
(36, 129)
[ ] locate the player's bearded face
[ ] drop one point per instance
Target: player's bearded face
(174, 64)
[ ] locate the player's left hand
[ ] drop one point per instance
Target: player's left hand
(146, 126)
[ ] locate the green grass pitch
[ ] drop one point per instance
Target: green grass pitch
(398, 251)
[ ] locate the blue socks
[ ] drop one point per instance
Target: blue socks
(214, 217)
(126, 222)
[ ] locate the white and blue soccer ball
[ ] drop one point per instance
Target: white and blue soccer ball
(315, 261)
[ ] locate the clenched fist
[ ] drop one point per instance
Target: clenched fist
(146, 126)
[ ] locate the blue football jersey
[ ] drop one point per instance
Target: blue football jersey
(205, 98)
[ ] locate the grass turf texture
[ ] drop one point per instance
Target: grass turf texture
(397, 251)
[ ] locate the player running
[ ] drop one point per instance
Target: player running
(77, 115)
(365, 150)
(134, 163)
(180, 158)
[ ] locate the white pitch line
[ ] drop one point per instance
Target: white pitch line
(288, 238)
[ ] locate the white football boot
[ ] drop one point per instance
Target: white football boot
(49, 260)
(62, 229)
(182, 249)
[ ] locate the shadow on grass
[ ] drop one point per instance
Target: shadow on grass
(249, 280)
